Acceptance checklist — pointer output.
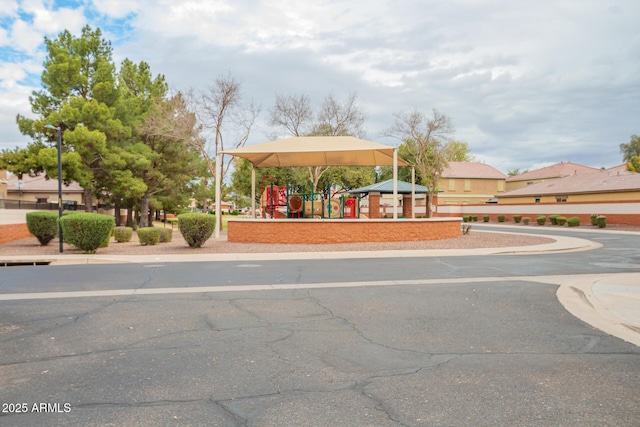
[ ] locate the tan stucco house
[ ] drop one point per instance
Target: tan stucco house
(600, 186)
(464, 183)
(42, 190)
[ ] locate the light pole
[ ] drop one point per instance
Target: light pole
(59, 133)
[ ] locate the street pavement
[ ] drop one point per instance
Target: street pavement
(478, 338)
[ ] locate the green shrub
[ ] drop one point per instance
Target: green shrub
(105, 242)
(87, 231)
(475, 218)
(560, 220)
(43, 225)
(500, 218)
(485, 218)
(123, 234)
(517, 218)
(526, 220)
(149, 235)
(574, 221)
(196, 228)
(552, 219)
(465, 218)
(602, 221)
(541, 219)
(165, 235)
(594, 219)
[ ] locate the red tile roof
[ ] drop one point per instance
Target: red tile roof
(471, 170)
(598, 182)
(554, 171)
(40, 183)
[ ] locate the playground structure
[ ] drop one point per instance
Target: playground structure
(320, 225)
(279, 201)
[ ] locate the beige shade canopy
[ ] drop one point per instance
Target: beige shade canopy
(310, 151)
(318, 151)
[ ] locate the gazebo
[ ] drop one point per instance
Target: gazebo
(316, 151)
(407, 189)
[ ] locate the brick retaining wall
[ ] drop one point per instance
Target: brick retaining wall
(10, 232)
(329, 231)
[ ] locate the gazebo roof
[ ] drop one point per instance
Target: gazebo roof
(318, 151)
(386, 187)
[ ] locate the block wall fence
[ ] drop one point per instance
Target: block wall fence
(617, 213)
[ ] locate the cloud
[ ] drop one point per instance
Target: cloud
(524, 82)
(116, 9)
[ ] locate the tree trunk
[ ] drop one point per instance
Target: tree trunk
(144, 210)
(116, 210)
(130, 216)
(88, 200)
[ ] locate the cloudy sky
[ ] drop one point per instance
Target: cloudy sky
(526, 83)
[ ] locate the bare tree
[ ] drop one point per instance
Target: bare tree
(340, 119)
(295, 115)
(425, 138)
(221, 110)
(292, 113)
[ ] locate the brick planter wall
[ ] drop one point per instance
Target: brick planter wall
(12, 232)
(340, 230)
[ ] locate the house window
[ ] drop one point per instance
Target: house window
(467, 185)
(561, 199)
(452, 184)
(500, 186)
(537, 199)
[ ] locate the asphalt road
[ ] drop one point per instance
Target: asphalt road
(452, 341)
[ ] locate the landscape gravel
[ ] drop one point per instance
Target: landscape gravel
(473, 240)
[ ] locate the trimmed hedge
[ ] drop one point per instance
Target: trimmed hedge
(466, 218)
(517, 219)
(475, 218)
(541, 219)
(602, 221)
(552, 219)
(196, 228)
(500, 218)
(560, 220)
(123, 234)
(43, 225)
(87, 231)
(574, 221)
(165, 235)
(485, 218)
(149, 235)
(594, 219)
(526, 220)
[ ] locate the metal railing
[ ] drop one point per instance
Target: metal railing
(68, 205)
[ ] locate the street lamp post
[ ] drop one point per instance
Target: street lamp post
(59, 132)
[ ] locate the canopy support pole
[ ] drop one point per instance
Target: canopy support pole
(395, 183)
(253, 191)
(218, 194)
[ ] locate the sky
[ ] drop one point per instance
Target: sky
(527, 83)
